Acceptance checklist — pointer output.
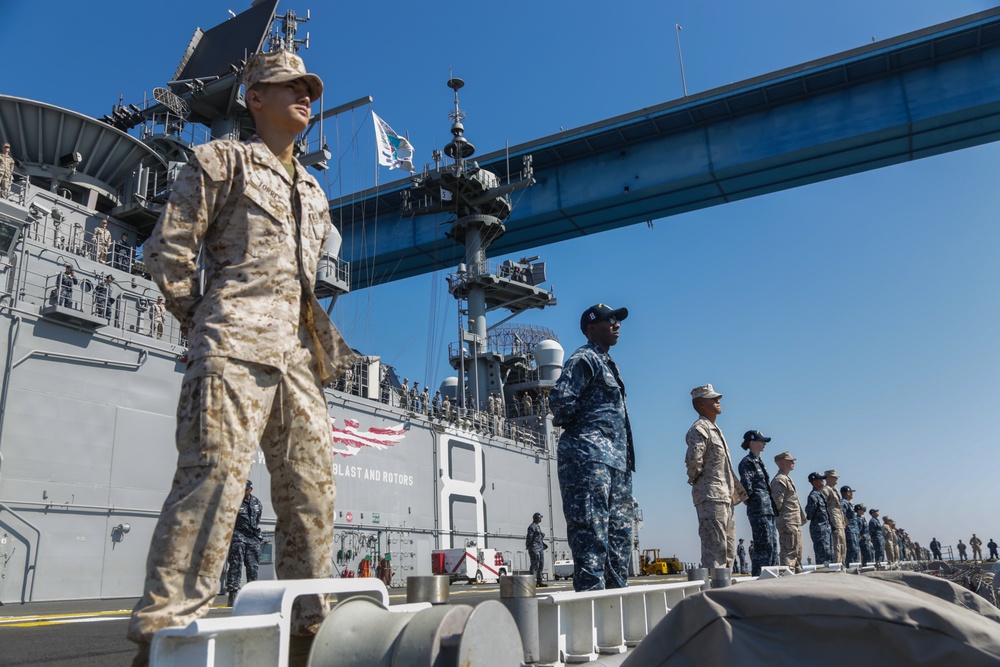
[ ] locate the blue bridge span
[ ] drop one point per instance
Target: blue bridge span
(917, 95)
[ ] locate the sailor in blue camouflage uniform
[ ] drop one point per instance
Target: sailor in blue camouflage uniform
(819, 520)
(244, 549)
(596, 455)
(878, 536)
(850, 526)
(534, 541)
(760, 507)
(864, 537)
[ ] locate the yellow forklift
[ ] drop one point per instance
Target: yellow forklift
(651, 563)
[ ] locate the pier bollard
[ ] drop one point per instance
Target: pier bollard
(517, 594)
(722, 578)
(699, 574)
(433, 588)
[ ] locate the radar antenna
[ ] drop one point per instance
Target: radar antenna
(283, 36)
(177, 105)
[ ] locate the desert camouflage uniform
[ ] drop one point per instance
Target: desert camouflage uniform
(977, 548)
(261, 350)
(715, 490)
(891, 543)
(596, 461)
(157, 316)
(245, 546)
(6, 174)
(760, 512)
(102, 240)
(851, 532)
(819, 526)
(838, 539)
(878, 539)
(790, 518)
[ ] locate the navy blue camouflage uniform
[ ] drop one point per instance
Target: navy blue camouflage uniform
(867, 550)
(596, 461)
(760, 512)
(851, 532)
(244, 549)
(536, 550)
(878, 539)
(819, 526)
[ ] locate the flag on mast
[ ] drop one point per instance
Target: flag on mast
(394, 151)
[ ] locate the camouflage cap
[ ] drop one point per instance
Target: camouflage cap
(832, 473)
(6, 144)
(279, 67)
(705, 391)
(784, 456)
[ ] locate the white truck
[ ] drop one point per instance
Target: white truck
(471, 563)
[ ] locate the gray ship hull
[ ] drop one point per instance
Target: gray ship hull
(88, 446)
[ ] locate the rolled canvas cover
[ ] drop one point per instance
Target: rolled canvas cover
(892, 618)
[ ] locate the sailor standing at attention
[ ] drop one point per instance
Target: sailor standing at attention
(261, 350)
(819, 520)
(596, 455)
(714, 487)
(851, 529)
(878, 538)
(760, 507)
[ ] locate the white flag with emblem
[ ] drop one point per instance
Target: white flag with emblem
(394, 151)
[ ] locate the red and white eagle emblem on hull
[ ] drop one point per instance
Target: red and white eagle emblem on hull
(351, 440)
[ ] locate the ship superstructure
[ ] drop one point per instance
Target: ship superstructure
(93, 371)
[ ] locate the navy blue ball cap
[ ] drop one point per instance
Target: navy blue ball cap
(845, 489)
(249, 485)
(815, 475)
(751, 436)
(599, 312)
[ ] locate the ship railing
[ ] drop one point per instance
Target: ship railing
(18, 188)
(127, 308)
(477, 270)
(571, 627)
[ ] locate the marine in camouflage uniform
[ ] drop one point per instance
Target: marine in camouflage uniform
(596, 455)
(790, 516)
(244, 548)
(819, 520)
(715, 489)
(838, 521)
(534, 541)
(878, 539)
(102, 241)
(261, 350)
(760, 507)
(851, 531)
(6, 171)
(891, 541)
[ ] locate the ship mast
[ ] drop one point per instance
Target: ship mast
(480, 204)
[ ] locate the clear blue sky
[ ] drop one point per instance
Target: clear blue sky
(854, 321)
